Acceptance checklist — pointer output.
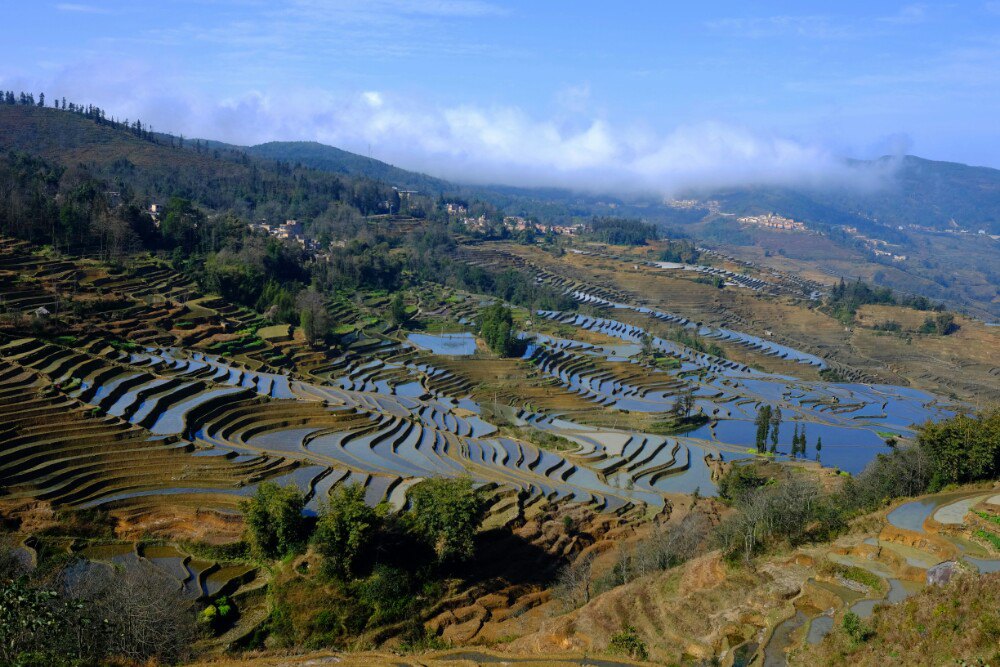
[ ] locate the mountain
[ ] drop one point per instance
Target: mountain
(915, 191)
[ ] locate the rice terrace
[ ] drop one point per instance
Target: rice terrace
(285, 404)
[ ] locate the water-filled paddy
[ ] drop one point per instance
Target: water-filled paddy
(458, 344)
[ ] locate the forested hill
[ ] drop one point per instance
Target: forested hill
(148, 167)
(337, 161)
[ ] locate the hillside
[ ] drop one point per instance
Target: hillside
(158, 167)
(334, 160)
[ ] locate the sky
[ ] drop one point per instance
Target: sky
(660, 94)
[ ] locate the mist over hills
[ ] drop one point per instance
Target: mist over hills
(906, 191)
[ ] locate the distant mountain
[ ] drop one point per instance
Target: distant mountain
(920, 192)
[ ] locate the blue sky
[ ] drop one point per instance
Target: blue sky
(659, 94)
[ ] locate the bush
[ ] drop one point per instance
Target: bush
(387, 593)
(627, 642)
(856, 629)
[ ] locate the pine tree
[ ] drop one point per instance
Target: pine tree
(802, 441)
(819, 447)
(775, 425)
(763, 424)
(795, 442)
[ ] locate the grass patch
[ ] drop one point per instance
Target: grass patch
(674, 425)
(862, 576)
(992, 538)
(546, 440)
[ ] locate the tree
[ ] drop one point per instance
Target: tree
(397, 309)
(775, 425)
(313, 316)
(687, 402)
(647, 344)
(795, 442)
(763, 424)
(803, 443)
(496, 325)
(273, 518)
(819, 447)
(962, 448)
(446, 513)
(344, 529)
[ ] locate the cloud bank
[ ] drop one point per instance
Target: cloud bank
(470, 143)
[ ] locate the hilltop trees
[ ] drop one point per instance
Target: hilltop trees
(620, 231)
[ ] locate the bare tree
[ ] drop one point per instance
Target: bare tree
(143, 613)
(573, 584)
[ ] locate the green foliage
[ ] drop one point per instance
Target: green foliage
(496, 326)
(387, 592)
(620, 231)
(39, 627)
(344, 530)
(217, 615)
(855, 628)
(845, 299)
(992, 538)
(446, 513)
(273, 518)
(682, 252)
(941, 324)
(763, 423)
(740, 480)
(863, 577)
(627, 642)
(962, 448)
(397, 310)
(695, 342)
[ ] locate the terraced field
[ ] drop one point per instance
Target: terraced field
(173, 398)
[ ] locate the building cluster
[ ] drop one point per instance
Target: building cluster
(772, 221)
(517, 223)
(878, 247)
(290, 230)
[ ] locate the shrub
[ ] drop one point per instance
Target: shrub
(856, 629)
(627, 642)
(388, 593)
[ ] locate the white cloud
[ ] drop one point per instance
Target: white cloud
(80, 9)
(467, 142)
